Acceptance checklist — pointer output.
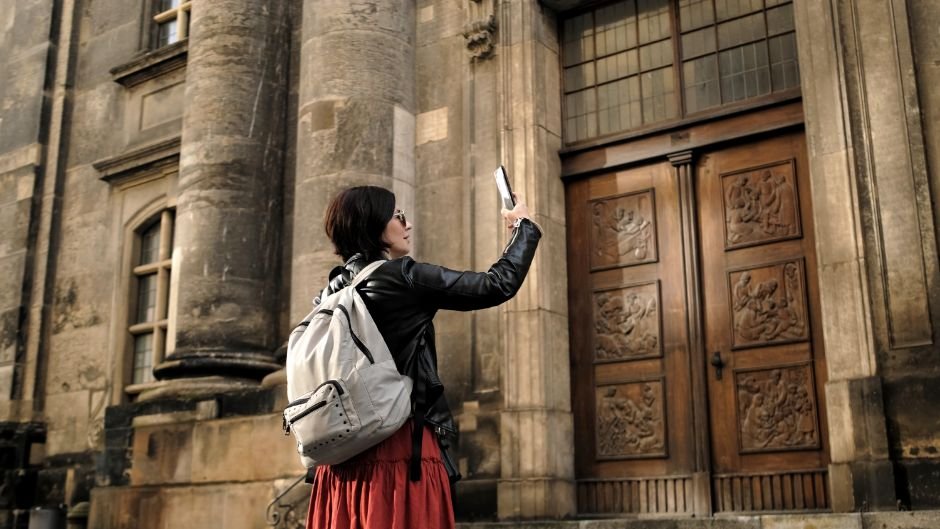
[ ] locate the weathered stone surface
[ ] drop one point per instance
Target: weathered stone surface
(438, 21)
(228, 450)
(22, 26)
(112, 44)
(394, 18)
(239, 506)
(358, 138)
(67, 420)
(162, 455)
(371, 64)
(99, 109)
(21, 99)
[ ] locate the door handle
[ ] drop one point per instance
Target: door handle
(718, 364)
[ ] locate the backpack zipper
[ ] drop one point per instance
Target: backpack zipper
(286, 424)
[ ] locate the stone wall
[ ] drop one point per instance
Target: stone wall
(876, 242)
(910, 376)
(25, 53)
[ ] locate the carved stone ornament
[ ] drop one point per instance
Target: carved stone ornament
(627, 323)
(623, 231)
(768, 305)
(630, 420)
(760, 205)
(480, 37)
(776, 409)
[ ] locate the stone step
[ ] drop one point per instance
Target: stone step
(873, 520)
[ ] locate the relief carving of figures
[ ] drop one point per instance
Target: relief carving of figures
(776, 409)
(760, 206)
(624, 231)
(626, 323)
(767, 304)
(630, 420)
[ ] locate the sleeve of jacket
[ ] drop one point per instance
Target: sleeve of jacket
(448, 289)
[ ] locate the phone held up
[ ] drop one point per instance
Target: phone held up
(505, 190)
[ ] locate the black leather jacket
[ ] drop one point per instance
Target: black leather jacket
(404, 295)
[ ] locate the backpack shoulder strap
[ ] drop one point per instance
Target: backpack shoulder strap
(366, 272)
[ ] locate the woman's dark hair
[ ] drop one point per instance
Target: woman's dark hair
(356, 219)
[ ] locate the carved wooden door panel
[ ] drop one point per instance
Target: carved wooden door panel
(762, 331)
(630, 360)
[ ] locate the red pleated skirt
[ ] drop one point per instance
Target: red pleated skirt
(372, 490)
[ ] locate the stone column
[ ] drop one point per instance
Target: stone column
(227, 218)
(536, 428)
(356, 121)
(874, 229)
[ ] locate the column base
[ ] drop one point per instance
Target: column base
(193, 387)
(275, 379)
(252, 366)
(861, 486)
(535, 498)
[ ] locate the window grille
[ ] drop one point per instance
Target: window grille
(151, 276)
(171, 20)
(634, 63)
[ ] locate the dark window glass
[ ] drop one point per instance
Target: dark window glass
(143, 359)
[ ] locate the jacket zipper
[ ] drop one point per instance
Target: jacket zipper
(439, 426)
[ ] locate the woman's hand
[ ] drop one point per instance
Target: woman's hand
(521, 211)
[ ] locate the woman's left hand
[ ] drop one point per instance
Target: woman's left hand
(521, 211)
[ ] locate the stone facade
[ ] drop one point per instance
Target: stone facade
(248, 127)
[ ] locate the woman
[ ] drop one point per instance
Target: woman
(405, 481)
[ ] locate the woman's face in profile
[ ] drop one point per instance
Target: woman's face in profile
(397, 235)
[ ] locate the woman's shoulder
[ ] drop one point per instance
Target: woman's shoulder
(407, 270)
(399, 269)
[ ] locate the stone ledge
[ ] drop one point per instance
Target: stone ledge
(140, 162)
(152, 64)
(873, 520)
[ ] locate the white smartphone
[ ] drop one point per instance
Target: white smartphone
(505, 190)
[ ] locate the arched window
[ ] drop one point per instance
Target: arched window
(151, 287)
(636, 63)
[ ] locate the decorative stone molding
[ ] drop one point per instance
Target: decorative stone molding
(152, 64)
(125, 167)
(480, 38)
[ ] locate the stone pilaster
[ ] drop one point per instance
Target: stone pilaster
(874, 228)
(536, 437)
(356, 121)
(227, 218)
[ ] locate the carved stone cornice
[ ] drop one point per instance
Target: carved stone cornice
(152, 64)
(123, 167)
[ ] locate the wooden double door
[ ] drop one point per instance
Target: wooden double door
(698, 362)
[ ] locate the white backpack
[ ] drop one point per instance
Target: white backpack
(345, 392)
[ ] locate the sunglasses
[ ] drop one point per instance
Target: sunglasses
(400, 215)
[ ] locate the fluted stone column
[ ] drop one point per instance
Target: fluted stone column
(356, 121)
(227, 218)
